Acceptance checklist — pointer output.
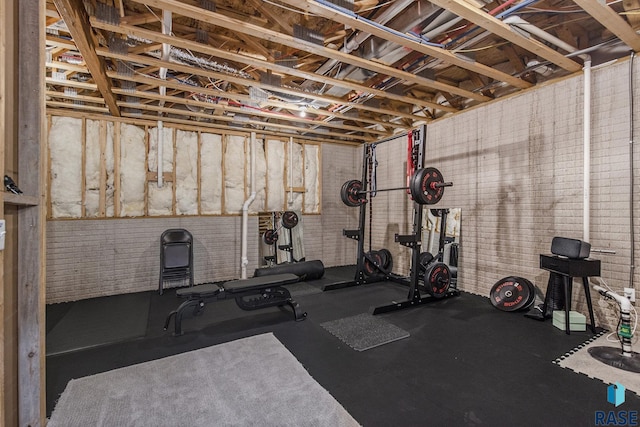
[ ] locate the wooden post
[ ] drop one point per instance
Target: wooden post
(31, 221)
(4, 34)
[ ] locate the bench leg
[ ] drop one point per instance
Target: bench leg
(298, 315)
(198, 304)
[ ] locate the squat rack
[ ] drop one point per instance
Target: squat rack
(436, 282)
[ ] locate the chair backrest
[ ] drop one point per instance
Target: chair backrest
(176, 248)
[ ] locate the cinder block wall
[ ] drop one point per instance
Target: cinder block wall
(92, 258)
(517, 168)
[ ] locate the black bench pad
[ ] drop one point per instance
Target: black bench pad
(260, 282)
(250, 294)
(235, 286)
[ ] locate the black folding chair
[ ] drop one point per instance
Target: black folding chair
(176, 257)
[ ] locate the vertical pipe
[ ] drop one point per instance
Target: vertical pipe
(166, 29)
(632, 238)
(586, 206)
(290, 170)
(244, 261)
(160, 150)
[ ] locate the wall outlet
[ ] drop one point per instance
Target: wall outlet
(630, 293)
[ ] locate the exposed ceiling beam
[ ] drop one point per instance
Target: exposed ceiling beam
(277, 104)
(197, 125)
(249, 121)
(287, 40)
(393, 36)
(76, 19)
(223, 107)
(499, 28)
(611, 21)
(277, 18)
(260, 64)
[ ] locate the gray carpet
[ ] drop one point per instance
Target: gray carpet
(364, 331)
(253, 381)
(82, 328)
(580, 361)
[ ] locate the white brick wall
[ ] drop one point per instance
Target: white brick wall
(91, 258)
(517, 170)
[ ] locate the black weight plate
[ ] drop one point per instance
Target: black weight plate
(510, 294)
(436, 212)
(289, 219)
(422, 186)
(270, 237)
(437, 280)
(372, 260)
(350, 193)
(387, 259)
(425, 258)
(532, 292)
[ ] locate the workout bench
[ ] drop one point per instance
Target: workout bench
(250, 294)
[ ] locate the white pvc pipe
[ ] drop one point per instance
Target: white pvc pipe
(518, 22)
(586, 171)
(244, 261)
(160, 152)
(290, 170)
(166, 29)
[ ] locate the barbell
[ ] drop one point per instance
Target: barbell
(426, 187)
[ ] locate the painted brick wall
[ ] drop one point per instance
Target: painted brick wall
(517, 166)
(91, 258)
(517, 170)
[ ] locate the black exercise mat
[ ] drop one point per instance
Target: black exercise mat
(99, 321)
(364, 331)
(335, 276)
(302, 288)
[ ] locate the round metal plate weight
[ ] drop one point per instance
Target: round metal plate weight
(270, 237)
(437, 280)
(351, 193)
(425, 188)
(512, 294)
(372, 261)
(387, 259)
(289, 219)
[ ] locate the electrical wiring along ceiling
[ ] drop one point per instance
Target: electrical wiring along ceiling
(340, 71)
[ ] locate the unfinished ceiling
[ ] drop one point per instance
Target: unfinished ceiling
(323, 70)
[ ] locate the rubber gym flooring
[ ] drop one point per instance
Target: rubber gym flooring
(464, 363)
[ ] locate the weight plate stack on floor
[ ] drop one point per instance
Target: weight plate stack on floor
(387, 259)
(437, 280)
(372, 261)
(512, 293)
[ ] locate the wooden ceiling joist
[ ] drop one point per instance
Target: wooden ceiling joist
(611, 21)
(232, 24)
(265, 65)
(439, 53)
(496, 26)
(237, 80)
(76, 19)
